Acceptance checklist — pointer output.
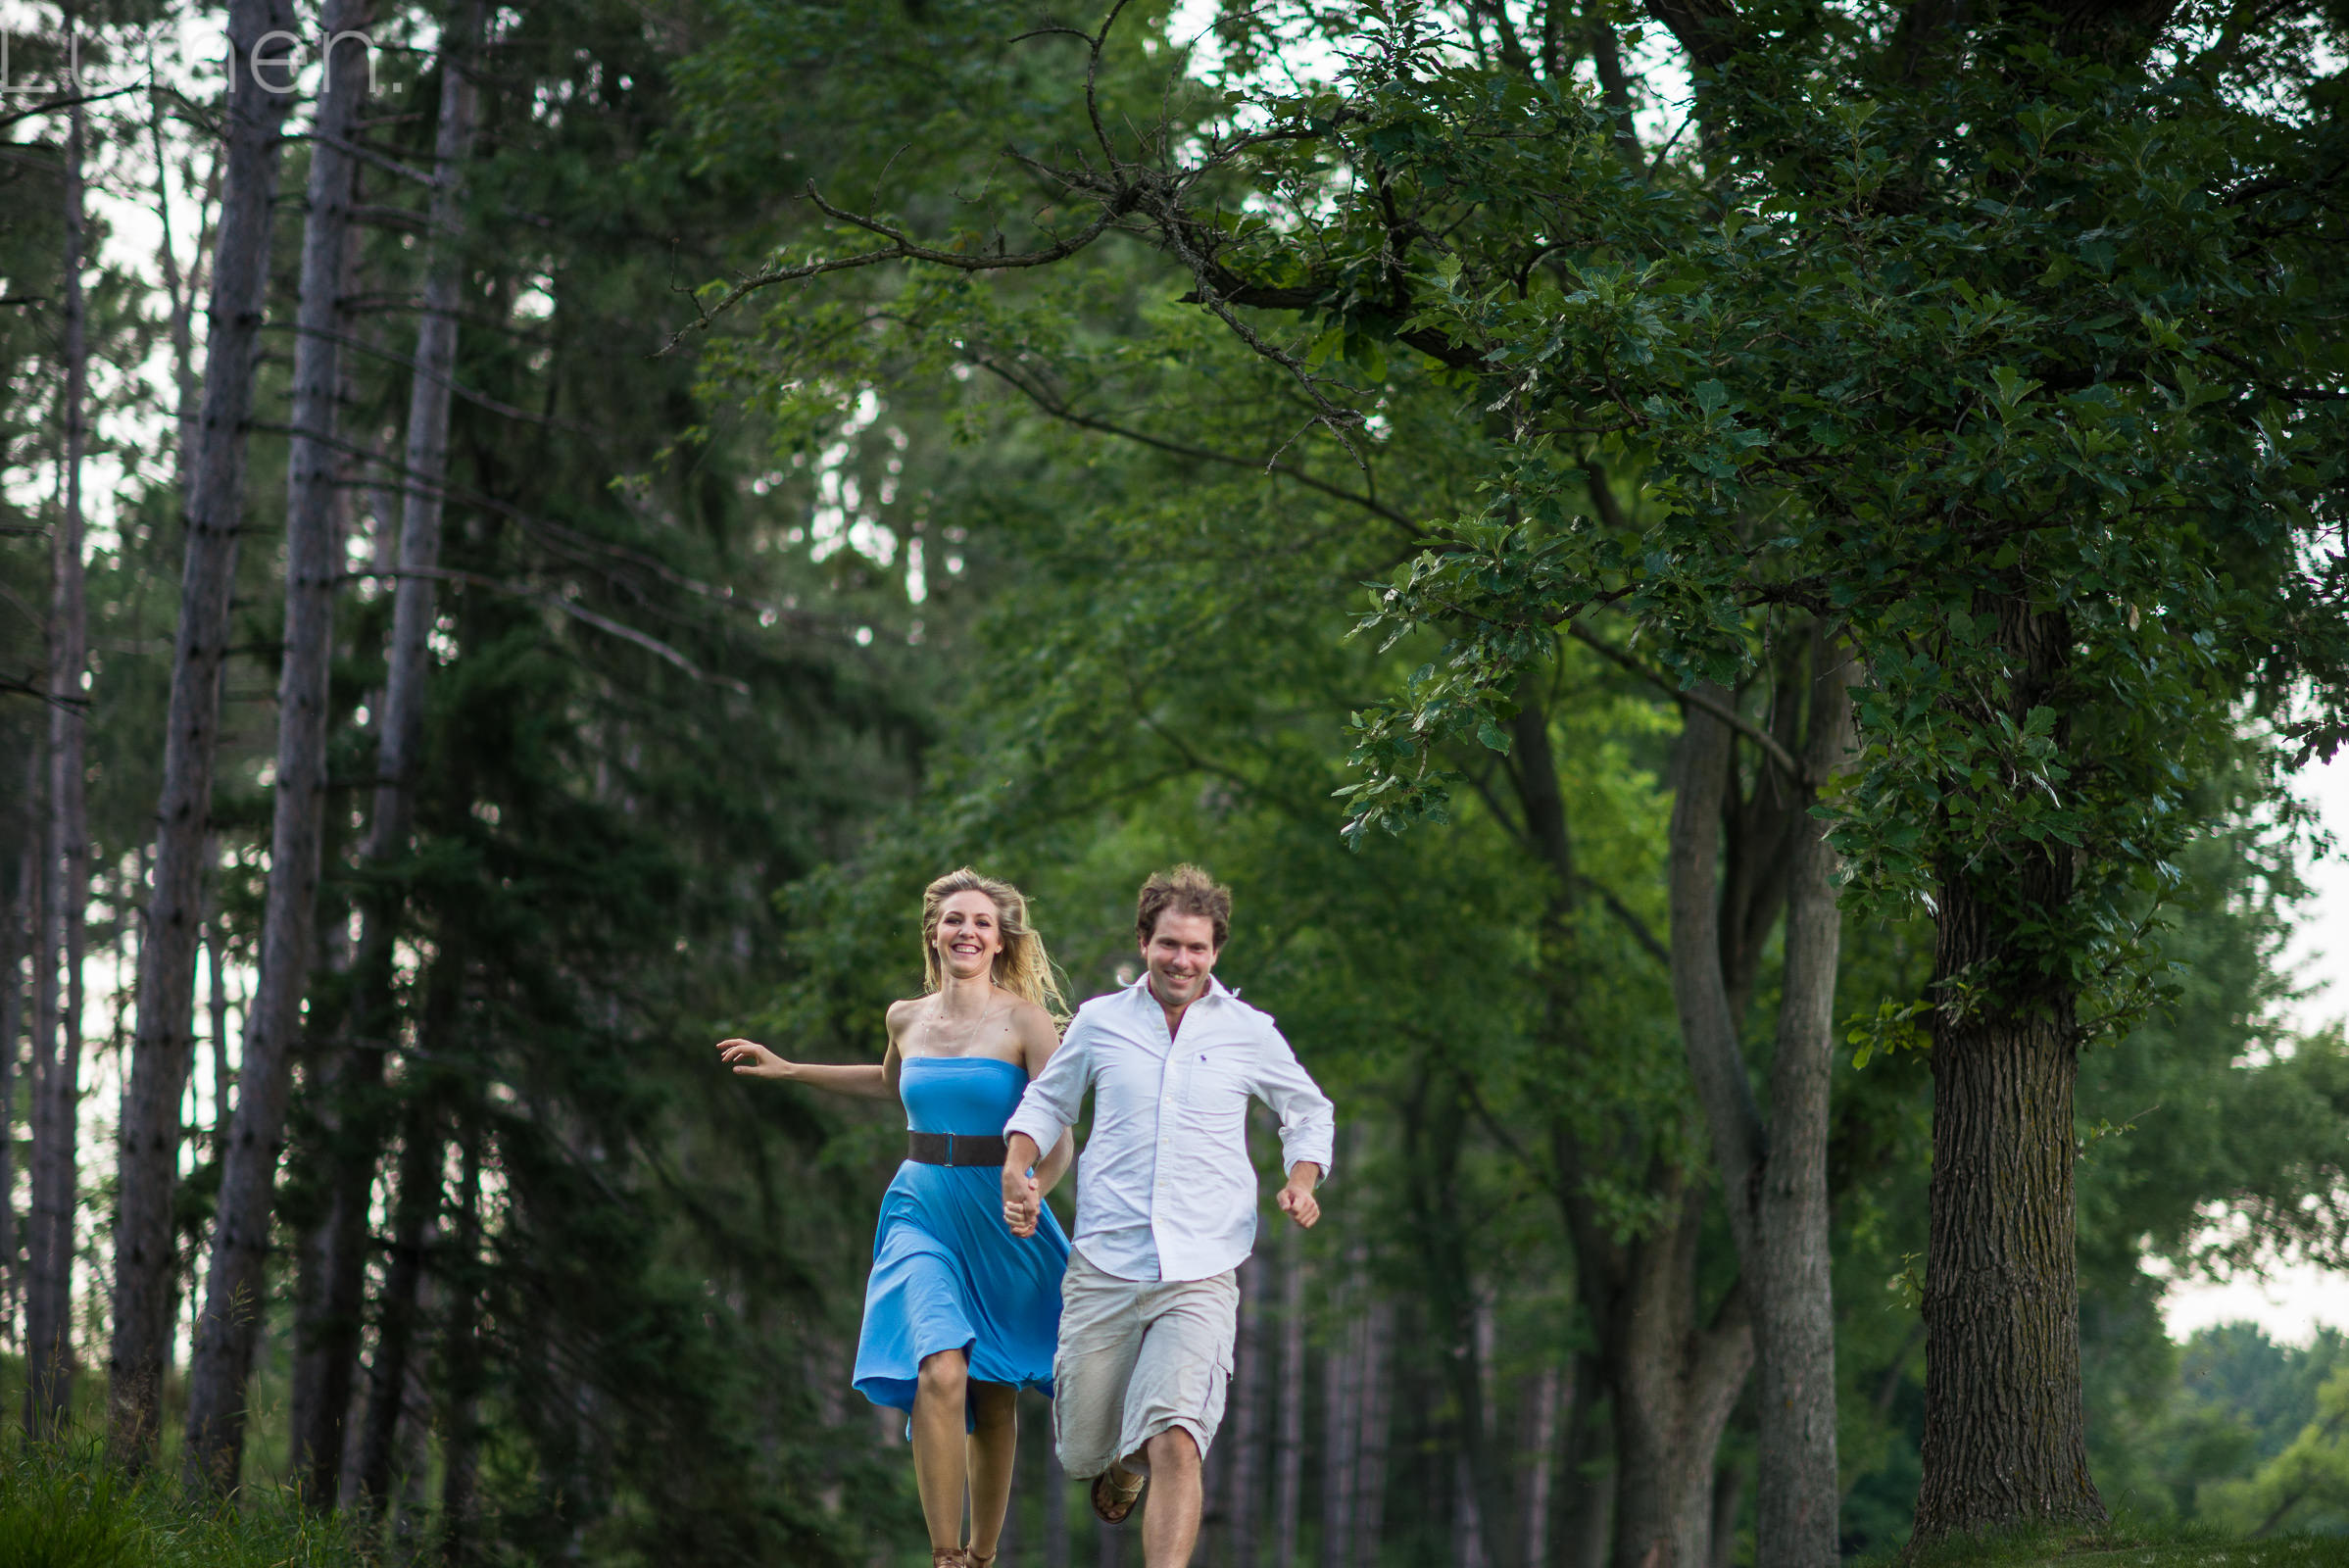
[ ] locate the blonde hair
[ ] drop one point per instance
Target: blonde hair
(1021, 968)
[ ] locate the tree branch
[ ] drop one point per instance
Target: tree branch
(1059, 409)
(1762, 738)
(902, 248)
(24, 688)
(1706, 29)
(604, 624)
(52, 106)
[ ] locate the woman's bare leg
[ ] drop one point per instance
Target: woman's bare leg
(994, 1447)
(937, 1459)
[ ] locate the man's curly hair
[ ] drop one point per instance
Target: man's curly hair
(1184, 890)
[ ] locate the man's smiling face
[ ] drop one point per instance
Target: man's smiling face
(1181, 955)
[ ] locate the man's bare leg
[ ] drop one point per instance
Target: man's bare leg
(939, 1469)
(1170, 1513)
(993, 1445)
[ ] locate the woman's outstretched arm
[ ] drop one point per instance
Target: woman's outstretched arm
(751, 1059)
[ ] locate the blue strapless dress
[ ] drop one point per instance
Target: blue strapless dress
(947, 1274)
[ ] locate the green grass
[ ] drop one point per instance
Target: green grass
(63, 1507)
(2127, 1546)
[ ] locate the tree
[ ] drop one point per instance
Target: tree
(66, 861)
(329, 1328)
(2055, 600)
(226, 1332)
(260, 33)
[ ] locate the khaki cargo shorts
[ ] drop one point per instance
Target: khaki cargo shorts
(1138, 1357)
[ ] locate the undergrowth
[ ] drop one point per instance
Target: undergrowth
(67, 1508)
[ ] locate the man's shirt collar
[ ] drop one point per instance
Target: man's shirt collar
(1215, 988)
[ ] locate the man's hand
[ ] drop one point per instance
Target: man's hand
(1022, 1201)
(1297, 1199)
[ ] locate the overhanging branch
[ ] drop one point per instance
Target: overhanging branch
(1761, 738)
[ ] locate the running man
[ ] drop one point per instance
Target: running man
(1166, 1206)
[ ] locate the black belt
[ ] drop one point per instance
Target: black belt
(955, 1148)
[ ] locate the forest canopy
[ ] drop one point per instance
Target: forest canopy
(1739, 590)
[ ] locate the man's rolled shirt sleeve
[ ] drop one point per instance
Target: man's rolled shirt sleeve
(1308, 1121)
(1056, 1094)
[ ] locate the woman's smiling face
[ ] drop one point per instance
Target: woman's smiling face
(968, 935)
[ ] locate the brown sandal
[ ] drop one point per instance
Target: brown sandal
(949, 1557)
(975, 1558)
(1113, 1505)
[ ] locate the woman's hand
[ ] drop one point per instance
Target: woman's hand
(751, 1059)
(1023, 1200)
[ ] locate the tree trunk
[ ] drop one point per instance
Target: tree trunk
(1245, 1489)
(1370, 1488)
(224, 1076)
(461, 1449)
(1289, 1442)
(236, 1281)
(1673, 1385)
(326, 1305)
(350, 1103)
(48, 1308)
(418, 1207)
(1434, 1123)
(1537, 1454)
(148, 1157)
(179, 295)
(1773, 1175)
(2003, 1443)
(16, 945)
(1585, 1512)
(1797, 1496)
(1468, 1548)
(1729, 1495)
(42, 1321)
(1676, 1385)
(1342, 1413)
(1056, 1509)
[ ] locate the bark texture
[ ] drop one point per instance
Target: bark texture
(14, 920)
(2003, 1440)
(1584, 1503)
(460, 1420)
(417, 1210)
(235, 1282)
(1342, 1416)
(352, 1101)
(1797, 1496)
(1378, 1400)
(1054, 1553)
(1773, 1172)
(56, 1162)
(1673, 1378)
(1676, 1382)
(147, 1160)
(1537, 1457)
(1288, 1449)
(1244, 1488)
(1434, 1128)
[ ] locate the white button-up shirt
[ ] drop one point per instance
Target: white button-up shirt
(1166, 1190)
